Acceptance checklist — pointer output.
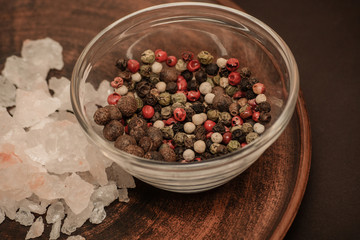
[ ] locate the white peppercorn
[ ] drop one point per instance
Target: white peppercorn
(224, 82)
(189, 154)
(260, 98)
(123, 90)
(209, 98)
(197, 119)
(204, 116)
(161, 86)
(180, 65)
(221, 62)
(189, 127)
(205, 88)
(216, 137)
(156, 67)
(136, 77)
(199, 146)
(159, 124)
(259, 128)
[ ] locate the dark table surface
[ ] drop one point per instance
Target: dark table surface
(324, 36)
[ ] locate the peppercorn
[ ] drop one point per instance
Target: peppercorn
(216, 148)
(193, 96)
(187, 56)
(200, 76)
(136, 122)
(232, 64)
(126, 75)
(168, 154)
(216, 137)
(223, 72)
(133, 65)
(260, 98)
(117, 82)
(168, 75)
(137, 133)
(258, 88)
(179, 138)
(231, 90)
(234, 109)
(247, 128)
(213, 115)
(139, 103)
(212, 69)
(245, 111)
(113, 98)
(205, 57)
(170, 121)
(171, 61)
(180, 65)
(148, 111)
(178, 98)
(242, 102)
(227, 137)
(219, 127)
(121, 64)
(102, 116)
(134, 150)
(156, 135)
(251, 137)
(150, 99)
(247, 83)
(259, 128)
(154, 155)
(143, 88)
(164, 99)
(187, 75)
(198, 107)
(233, 145)
(148, 56)
(166, 112)
(123, 141)
(200, 133)
(265, 117)
(238, 135)
(179, 114)
(225, 118)
(236, 121)
(193, 65)
(189, 141)
(209, 98)
(263, 107)
(245, 72)
(147, 144)
(199, 146)
(113, 130)
(222, 102)
(167, 132)
(154, 78)
(192, 85)
(188, 155)
(171, 87)
(217, 90)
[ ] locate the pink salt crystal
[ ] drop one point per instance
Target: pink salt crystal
(36, 229)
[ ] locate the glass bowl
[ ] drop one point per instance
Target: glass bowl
(224, 32)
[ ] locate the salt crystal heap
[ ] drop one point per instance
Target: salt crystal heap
(51, 162)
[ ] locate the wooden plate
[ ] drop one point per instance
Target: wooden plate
(259, 204)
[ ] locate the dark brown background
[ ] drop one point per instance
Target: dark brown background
(324, 37)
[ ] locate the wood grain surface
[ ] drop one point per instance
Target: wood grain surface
(261, 203)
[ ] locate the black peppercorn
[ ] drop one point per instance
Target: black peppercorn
(200, 133)
(212, 69)
(200, 76)
(127, 106)
(189, 141)
(147, 144)
(193, 85)
(102, 116)
(171, 87)
(137, 122)
(249, 94)
(178, 127)
(126, 75)
(113, 130)
(145, 71)
(219, 127)
(223, 72)
(263, 107)
(265, 117)
(137, 133)
(189, 114)
(135, 150)
(157, 108)
(168, 154)
(187, 75)
(168, 75)
(121, 64)
(218, 90)
(157, 116)
(150, 99)
(245, 72)
(114, 111)
(156, 135)
(123, 141)
(238, 135)
(154, 155)
(198, 107)
(179, 152)
(143, 88)
(208, 143)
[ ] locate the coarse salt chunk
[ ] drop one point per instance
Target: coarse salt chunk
(7, 93)
(36, 229)
(74, 221)
(61, 88)
(120, 177)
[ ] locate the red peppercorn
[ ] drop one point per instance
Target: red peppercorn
(238, 95)
(171, 61)
(193, 95)
(258, 88)
(198, 159)
(243, 145)
(169, 142)
(117, 82)
(227, 129)
(227, 137)
(236, 121)
(181, 84)
(232, 64)
(252, 103)
(234, 78)
(148, 111)
(208, 135)
(247, 113)
(133, 65)
(208, 125)
(193, 65)
(113, 98)
(157, 50)
(161, 56)
(187, 56)
(149, 124)
(179, 114)
(127, 129)
(255, 116)
(170, 121)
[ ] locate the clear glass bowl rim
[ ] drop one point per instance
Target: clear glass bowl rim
(277, 127)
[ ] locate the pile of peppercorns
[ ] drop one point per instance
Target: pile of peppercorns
(186, 109)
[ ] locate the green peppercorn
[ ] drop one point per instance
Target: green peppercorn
(233, 145)
(205, 57)
(154, 78)
(177, 105)
(213, 115)
(166, 112)
(167, 132)
(148, 56)
(216, 80)
(247, 128)
(179, 138)
(225, 118)
(189, 140)
(139, 103)
(164, 99)
(251, 137)
(145, 71)
(216, 148)
(131, 86)
(178, 97)
(236, 127)
(210, 80)
(231, 90)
